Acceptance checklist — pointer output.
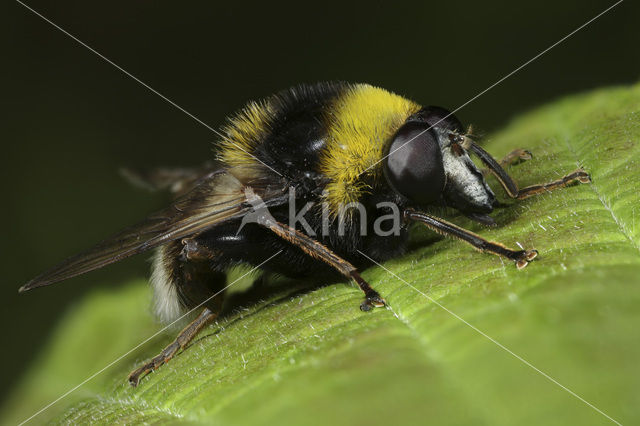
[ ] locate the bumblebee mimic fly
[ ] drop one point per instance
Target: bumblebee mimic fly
(353, 155)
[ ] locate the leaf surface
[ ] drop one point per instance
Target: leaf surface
(310, 356)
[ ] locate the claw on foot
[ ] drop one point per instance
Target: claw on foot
(372, 302)
(136, 375)
(520, 155)
(164, 357)
(524, 154)
(515, 157)
(583, 176)
(526, 257)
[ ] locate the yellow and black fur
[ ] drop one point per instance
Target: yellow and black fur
(333, 130)
(318, 139)
(328, 144)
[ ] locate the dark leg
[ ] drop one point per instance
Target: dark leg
(188, 264)
(510, 186)
(520, 257)
(183, 339)
(372, 298)
(576, 176)
(318, 251)
(515, 156)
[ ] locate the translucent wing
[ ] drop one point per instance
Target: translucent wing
(178, 181)
(217, 198)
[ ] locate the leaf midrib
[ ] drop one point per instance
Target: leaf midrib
(564, 134)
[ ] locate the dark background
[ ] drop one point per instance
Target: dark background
(70, 120)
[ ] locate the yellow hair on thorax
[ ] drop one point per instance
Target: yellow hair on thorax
(244, 132)
(359, 123)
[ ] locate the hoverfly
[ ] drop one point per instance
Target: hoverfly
(330, 144)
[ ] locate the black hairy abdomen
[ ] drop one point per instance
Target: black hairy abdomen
(297, 132)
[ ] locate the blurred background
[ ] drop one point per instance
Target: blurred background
(70, 120)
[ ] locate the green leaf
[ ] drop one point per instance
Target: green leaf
(311, 356)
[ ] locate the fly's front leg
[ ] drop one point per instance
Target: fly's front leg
(514, 157)
(576, 176)
(520, 257)
(510, 186)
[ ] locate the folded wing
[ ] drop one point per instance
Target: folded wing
(216, 199)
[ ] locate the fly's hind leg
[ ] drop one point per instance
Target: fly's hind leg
(183, 339)
(188, 266)
(317, 250)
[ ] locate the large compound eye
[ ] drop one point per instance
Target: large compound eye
(414, 164)
(439, 117)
